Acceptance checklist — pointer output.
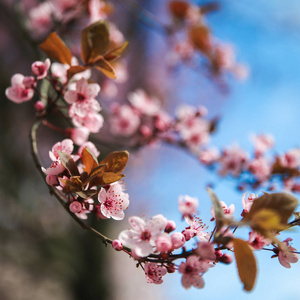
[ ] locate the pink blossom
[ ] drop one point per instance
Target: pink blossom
(188, 205)
(205, 250)
(163, 243)
(257, 241)
(40, 69)
(91, 120)
(197, 227)
(52, 180)
(18, 92)
(87, 207)
(142, 236)
(262, 143)
(40, 19)
(83, 98)
(154, 272)
(39, 106)
(171, 226)
(96, 10)
(162, 121)
(286, 254)
(261, 168)
(113, 201)
(247, 203)
(145, 104)
(178, 240)
(291, 159)
(75, 207)
(78, 135)
(209, 156)
(228, 211)
(125, 121)
(191, 270)
(57, 167)
(233, 161)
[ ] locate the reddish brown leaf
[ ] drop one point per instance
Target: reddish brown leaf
(200, 38)
(115, 161)
(54, 47)
(115, 53)
(110, 177)
(246, 263)
(105, 67)
(277, 168)
(178, 8)
(94, 41)
(88, 159)
(69, 163)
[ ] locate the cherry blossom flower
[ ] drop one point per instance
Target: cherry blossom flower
(291, 159)
(233, 161)
(247, 203)
(125, 121)
(188, 206)
(262, 143)
(228, 211)
(40, 19)
(91, 120)
(145, 104)
(142, 236)
(18, 92)
(83, 98)
(113, 201)
(57, 167)
(87, 207)
(191, 270)
(91, 147)
(171, 226)
(154, 272)
(209, 156)
(40, 69)
(261, 168)
(205, 250)
(78, 135)
(286, 254)
(197, 228)
(257, 241)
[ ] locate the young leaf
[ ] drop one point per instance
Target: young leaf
(94, 41)
(246, 263)
(200, 37)
(115, 161)
(282, 203)
(110, 177)
(105, 67)
(89, 160)
(69, 163)
(54, 47)
(219, 212)
(115, 53)
(179, 8)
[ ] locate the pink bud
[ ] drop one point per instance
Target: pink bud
(163, 243)
(226, 259)
(75, 207)
(52, 180)
(178, 240)
(39, 106)
(171, 226)
(117, 245)
(188, 234)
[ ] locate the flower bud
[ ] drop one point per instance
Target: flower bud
(75, 207)
(171, 226)
(117, 245)
(178, 240)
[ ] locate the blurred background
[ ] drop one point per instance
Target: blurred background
(45, 255)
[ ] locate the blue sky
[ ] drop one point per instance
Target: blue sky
(266, 35)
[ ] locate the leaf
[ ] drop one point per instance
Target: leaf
(76, 69)
(219, 212)
(115, 53)
(200, 38)
(179, 8)
(115, 161)
(54, 47)
(94, 41)
(89, 160)
(110, 177)
(105, 67)
(69, 163)
(277, 168)
(246, 263)
(282, 203)
(266, 221)
(86, 194)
